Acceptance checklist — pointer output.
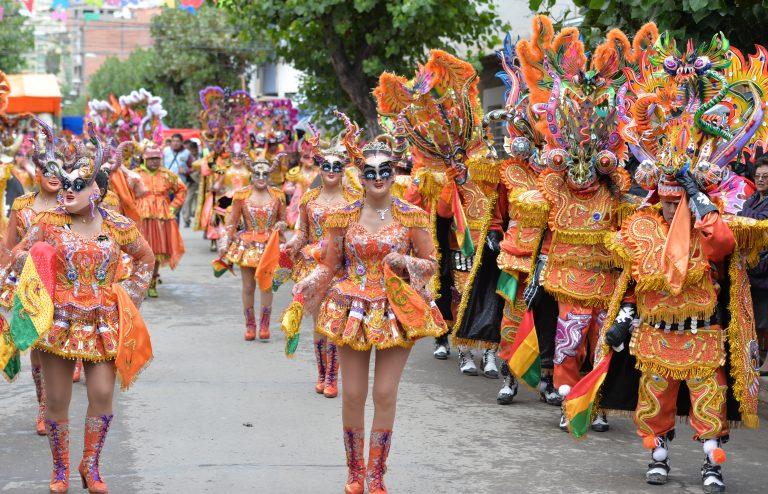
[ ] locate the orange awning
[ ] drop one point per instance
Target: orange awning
(34, 93)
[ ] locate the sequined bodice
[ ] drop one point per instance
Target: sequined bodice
(364, 255)
(260, 217)
(235, 178)
(316, 213)
(85, 267)
(24, 219)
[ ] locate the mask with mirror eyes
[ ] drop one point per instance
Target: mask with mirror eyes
(378, 171)
(332, 164)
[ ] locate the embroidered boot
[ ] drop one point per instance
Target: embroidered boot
(320, 357)
(78, 371)
(250, 324)
(37, 376)
(96, 429)
(380, 441)
(331, 371)
(58, 439)
(353, 444)
(266, 312)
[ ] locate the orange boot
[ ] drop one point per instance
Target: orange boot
(95, 434)
(320, 357)
(354, 439)
(250, 324)
(78, 371)
(37, 376)
(58, 438)
(380, 441)
(266, 312)
(331, 371)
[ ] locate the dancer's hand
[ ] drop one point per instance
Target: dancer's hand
(298, 288)
(396, 262)
(281, 226)
(619, 331)
(534, 290)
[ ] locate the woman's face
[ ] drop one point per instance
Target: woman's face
(76, 193)
(332, 169)
(260, 177)
(48, 180)
(378, 175)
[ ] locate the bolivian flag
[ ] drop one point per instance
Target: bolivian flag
(10, 362)
(525, 362)
(506, 287)
(581, 399)
(221, 266)
(460, 225)
(33, 298)
(291, 322)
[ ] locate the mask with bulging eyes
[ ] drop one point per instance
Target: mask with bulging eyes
(381, 171)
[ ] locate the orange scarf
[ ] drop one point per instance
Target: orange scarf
(134, 350)
(678, 247)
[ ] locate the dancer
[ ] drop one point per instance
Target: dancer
(261, 210)
(376, 241)
(84, 243)
(23, 213)
(305, 246)
(158, 213)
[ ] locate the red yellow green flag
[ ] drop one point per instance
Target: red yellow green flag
(525, 361)
(461, 226)
(33, 297)
(581, 399)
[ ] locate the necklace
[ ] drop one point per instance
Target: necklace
(382, 213)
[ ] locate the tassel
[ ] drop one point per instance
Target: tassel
(291, 324)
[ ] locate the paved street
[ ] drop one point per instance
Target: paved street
(216, 414)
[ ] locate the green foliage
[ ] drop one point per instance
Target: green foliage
(190, 52)
(15, 38)
(343, 45)
(740, 20)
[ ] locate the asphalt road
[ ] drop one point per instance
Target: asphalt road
(216, 414)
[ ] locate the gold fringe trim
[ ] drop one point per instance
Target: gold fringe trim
(434, 283)
(751, 236)
(409, 215)
(659, 283)
(474, 344)
(342, 217)
(679, 374)
(478, 261)
(569, 298)
(579, 237)
(737, 352)
(310, 195)
(616, 246)
(25, 201)
(55, 217)
(430, 184)
(482, 169)
(122, 229)
(533, 213)
(624, 210)
(242, 194)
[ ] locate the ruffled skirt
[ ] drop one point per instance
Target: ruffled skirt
(306, 262)
(362, 324)
(246, 249)
(88, 334)
(165, 240)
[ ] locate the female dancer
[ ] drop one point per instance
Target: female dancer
(158, 213)
(89, 311)
(23, 213)
(366, 238)
(262, 210)
(305, 246)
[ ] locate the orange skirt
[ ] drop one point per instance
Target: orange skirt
(165, 240)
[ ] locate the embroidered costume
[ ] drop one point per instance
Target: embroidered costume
(246, 245)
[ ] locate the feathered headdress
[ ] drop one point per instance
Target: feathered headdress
(272, 121)
(225, 117)
(438, 110)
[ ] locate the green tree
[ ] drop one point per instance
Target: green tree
(190, 52)
(343, 45)
(740, 20)
(195, 51)
(16, 37)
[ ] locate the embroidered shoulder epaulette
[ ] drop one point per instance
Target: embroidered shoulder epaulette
(409, 215)
(242, 194)
(310, 195)
(57, 216)
(122, 229)
(277, 194)
(25, 201)
(343, 216)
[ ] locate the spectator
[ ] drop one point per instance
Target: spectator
(176, 157)
(192, 179)
(757, 207)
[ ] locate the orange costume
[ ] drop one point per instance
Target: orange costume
(158, 223)
(245, 246)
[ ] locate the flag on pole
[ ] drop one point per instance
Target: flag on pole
(525, 361)
(581, 399)
(460, 225)
(33, 298)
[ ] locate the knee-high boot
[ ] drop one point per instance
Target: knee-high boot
(266, 312)
(354, 439)
(37, 376)
(58, 438)
(380, 441)
(331, 371)
(250, 324)
(320, 357)
(96, 429)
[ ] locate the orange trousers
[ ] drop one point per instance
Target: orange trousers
(577, 332)
(657, 405)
